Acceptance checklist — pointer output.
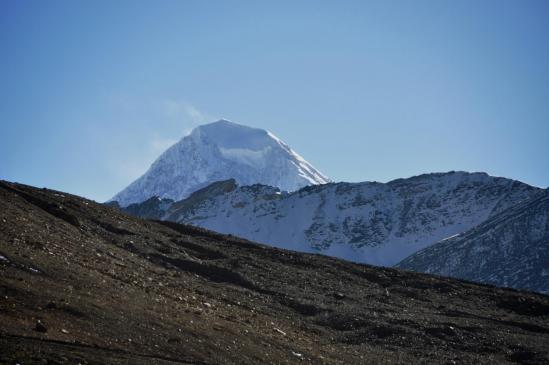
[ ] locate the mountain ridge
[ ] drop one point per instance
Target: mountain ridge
(378, 223)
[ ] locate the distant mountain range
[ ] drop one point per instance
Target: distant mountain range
(246, 182)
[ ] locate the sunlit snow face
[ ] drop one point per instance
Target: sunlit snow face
(247, 156)
(228, 136)
(238, 143)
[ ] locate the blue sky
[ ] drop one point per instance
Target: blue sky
(91, 92)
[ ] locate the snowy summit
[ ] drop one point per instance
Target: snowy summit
(220, 151)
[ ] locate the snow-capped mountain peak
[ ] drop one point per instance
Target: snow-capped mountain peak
(220, 151)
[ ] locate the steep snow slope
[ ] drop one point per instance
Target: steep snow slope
(366, 222)
(218, 151)
(510, 249)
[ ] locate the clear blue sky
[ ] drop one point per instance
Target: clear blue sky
(92, 91)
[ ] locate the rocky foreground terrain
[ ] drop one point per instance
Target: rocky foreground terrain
(84, 283)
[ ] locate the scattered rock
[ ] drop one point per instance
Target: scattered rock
(40, 327)
(339, 296)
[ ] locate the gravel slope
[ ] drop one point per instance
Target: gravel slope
(84, 283)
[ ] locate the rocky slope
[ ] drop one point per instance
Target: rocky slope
(81, 282)
(219, 151)
(365, 222)
(510, 249)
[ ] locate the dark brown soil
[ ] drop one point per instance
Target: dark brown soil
(83, 283)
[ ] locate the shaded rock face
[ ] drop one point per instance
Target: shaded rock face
(510, 249)
(219, 151)
(114, 289)
(152, 208)
(365, 222)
